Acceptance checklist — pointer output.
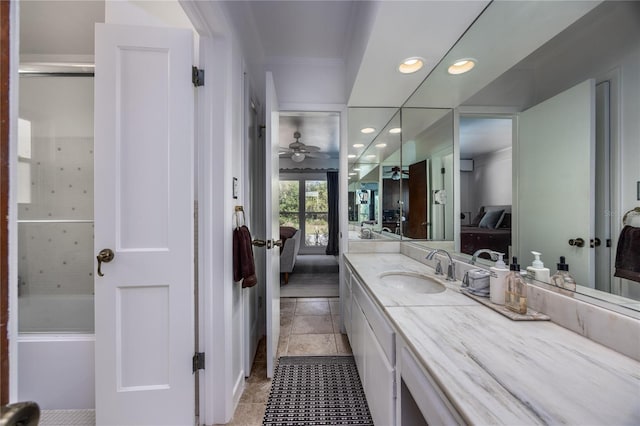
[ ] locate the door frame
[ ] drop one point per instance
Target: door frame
(7, 47)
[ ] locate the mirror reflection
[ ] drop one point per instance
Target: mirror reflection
(559, 59)
(400, 172)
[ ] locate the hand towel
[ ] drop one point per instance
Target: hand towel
(628, 254)
(243, 265)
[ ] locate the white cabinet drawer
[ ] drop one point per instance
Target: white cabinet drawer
(383, 331)
(379, 381)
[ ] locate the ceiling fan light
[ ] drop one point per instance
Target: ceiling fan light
(297, 157)
(395, 175)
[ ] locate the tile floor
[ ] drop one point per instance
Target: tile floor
(308, 326)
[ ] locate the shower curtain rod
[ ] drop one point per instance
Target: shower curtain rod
(56, 74)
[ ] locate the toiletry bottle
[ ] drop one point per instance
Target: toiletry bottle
(498, 280)
(562, 279)
(515, 295)
(537, 271)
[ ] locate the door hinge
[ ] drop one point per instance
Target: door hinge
(198, 361)
(197, 76)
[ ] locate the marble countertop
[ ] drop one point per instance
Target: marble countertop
(498, 371)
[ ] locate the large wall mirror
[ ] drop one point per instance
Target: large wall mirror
(400, 172)
(544, 71)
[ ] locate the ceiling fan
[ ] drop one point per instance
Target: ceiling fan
(397, 172)
(299, 151)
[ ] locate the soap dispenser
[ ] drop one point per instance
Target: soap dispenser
(515, 295)
(498, 280)
(562, 279)
(537, 271)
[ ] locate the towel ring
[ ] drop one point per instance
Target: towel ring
(238, 210)
(632, 218)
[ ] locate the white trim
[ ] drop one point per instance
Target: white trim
(14, 85)
(55, 337)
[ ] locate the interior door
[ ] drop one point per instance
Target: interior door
(272, 224)
(144, 301)
(559, 205)
(418, 201)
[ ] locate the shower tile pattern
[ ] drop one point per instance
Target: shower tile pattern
(55, 203)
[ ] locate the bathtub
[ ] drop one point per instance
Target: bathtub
(56, 351)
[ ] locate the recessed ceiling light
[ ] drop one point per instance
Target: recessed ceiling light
(367, 130)
(381, 145)
(358, 145)
(356, 169)
(351, 156)
(371, 156)
(461, 66)
(395, 130)
(411, 65)
(352, 174)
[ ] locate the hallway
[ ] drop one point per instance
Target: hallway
(308, 326)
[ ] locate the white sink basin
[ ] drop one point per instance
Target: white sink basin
(412, 282)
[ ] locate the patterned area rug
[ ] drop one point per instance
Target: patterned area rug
(317, 390)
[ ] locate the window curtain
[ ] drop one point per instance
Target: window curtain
(333, 191)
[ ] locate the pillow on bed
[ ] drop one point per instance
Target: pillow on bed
(476, 220)
(490, 219)
(505, 221)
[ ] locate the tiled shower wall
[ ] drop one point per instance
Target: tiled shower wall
(55, 204)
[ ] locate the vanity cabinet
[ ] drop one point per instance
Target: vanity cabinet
(421, 401)
(373, 344)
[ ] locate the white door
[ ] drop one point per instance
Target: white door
(556, 152)
(144, 303)
(272, 193)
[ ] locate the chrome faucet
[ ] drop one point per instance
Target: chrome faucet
(451, 270)
(492, 254)
(368, 232)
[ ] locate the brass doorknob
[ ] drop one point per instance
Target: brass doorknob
(258, 243)
(578, 242)
(106, 256)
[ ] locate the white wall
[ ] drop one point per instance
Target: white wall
(490, 180)
(309, 81)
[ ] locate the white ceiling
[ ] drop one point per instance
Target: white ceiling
(59, 27)
(310, 29)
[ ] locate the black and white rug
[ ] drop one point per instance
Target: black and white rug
(316, 390)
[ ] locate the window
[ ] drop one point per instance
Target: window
(304, 205)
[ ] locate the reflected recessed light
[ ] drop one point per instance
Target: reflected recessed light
(411, 65)
(351, 156)
(352, 174)
(381, 145)
(395, 130)
(461, 66)
(367, 130)
(356, 169)
(371, 156)
(358, 145)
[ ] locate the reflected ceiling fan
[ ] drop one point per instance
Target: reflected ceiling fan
(396, 173)
(299, 151)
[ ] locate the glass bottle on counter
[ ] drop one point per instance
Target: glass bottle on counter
(562, 278)
(515, 295)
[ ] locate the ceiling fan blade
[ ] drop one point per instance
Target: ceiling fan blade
(309, 148)
(317, 155)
